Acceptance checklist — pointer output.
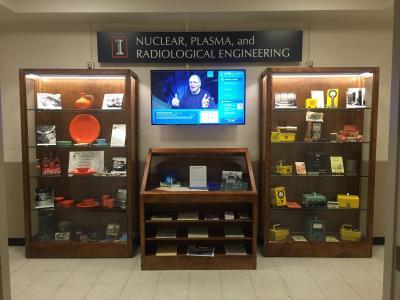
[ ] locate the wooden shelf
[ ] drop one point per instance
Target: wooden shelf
(301, 81)
(204, 202)
(43, 222)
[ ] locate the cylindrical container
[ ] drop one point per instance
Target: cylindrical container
(350, 167)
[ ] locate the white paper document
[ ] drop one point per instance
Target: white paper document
(118, 135)
(198, 177)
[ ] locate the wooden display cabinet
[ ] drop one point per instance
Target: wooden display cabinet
(284, 94)
(161, 209)
(98, 227)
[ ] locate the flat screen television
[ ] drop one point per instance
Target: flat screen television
(180, 97)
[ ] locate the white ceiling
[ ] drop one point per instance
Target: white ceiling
(20, 11)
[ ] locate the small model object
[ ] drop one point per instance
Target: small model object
(44, 197)
(278, 232)
(332, 98)
(350, 167)
(311, 103)
(317, 163)
(284, 134)
(315, 229)
(313, 200)
(350, 133)
(348, 201)
(278, 196)
(170, 179)
(332, 204)
(348, 233)
(85, 101)
(282, 169)
(292, 204)
(314, 126)
(112, 230)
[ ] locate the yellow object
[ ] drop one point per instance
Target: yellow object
(347, 233)
(282, 169)
(278, 232)
(278, 196)
(287, 136)
(274, 137)
(332, 98)
(348, 201)
(311, 103)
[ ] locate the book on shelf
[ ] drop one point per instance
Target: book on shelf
(46, 135)
(197, 232)
(298, 238)
(166, 233)
(235, 249)
(233, 232)
(211, 217)
(292, 204)
(243, 216)
(161, 217)
(188, 216)
(229, 215)
(337, 165)
(167, 250)
(331, 239)
(200, 251)
(119, 166)
(300, 168)
(48, 101)
(118, 135)
(113, 101)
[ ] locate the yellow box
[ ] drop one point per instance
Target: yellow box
(278, 232)
(348, 201)
(287, 136)
(332, 98)
(282, 169)
(278, 196)
(274, 137)
(347, 233)
(311, 103)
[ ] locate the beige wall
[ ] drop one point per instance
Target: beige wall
(68, 46)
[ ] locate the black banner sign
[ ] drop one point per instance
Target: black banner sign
(199, 47)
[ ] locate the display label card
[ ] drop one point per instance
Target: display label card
(93, 160)
(118, 135)
(198, 177)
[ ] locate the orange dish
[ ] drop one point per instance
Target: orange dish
(84, 128)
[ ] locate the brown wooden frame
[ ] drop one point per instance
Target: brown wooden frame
(70, 249)
(311, 248)
(205, 198)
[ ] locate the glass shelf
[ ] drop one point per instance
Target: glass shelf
(316, 176)
(77, 176)
(285, 209)
(77, 148)
(301, 109)
(318, 143)
(75, 110)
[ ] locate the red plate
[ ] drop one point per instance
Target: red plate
(88, 172)
(82, 204)
(84, 128)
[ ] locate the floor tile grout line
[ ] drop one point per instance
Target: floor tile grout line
(349, 284)
(153, 294)
(253, 284)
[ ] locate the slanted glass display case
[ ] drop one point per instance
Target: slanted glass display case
(318, 144)
(198, 209)
(79, 146)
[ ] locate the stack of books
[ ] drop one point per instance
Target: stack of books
(161, 217)
(235, 249)
(233, 232)
(166, 233)
(167, 250)
(197, 232)
(228, 215)
(211, 217)
(200, 251)
(188, 216)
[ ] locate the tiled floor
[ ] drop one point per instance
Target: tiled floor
(275, 278)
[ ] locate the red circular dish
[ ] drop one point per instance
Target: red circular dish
(66, 203)
(84, 128)
(86, 203)
(77, 172)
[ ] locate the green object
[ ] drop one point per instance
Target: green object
(313, 200)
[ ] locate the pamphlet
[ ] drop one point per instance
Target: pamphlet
(48, 101)
(300, 168)
(200, 251)
(298, 238)
(161, 217)
(198, 177)
(113, 101)
(319, 95)
(166, 233)
(118, 135)
(337, 165)
(167, 250)
(188, 216)
(233, 232)
(235, 249)
(45, 135)
(197, 232)
(331, 239)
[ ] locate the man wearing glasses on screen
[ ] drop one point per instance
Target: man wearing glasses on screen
(195, 97)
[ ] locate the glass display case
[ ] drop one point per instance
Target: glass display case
(318, 144)
(198, 209)
(79, 146)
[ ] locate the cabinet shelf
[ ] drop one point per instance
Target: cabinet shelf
(338, 109)
(199, 203)
(350, 118)
(72, 110)
(42, 132)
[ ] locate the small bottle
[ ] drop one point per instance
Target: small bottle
(45, 165)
